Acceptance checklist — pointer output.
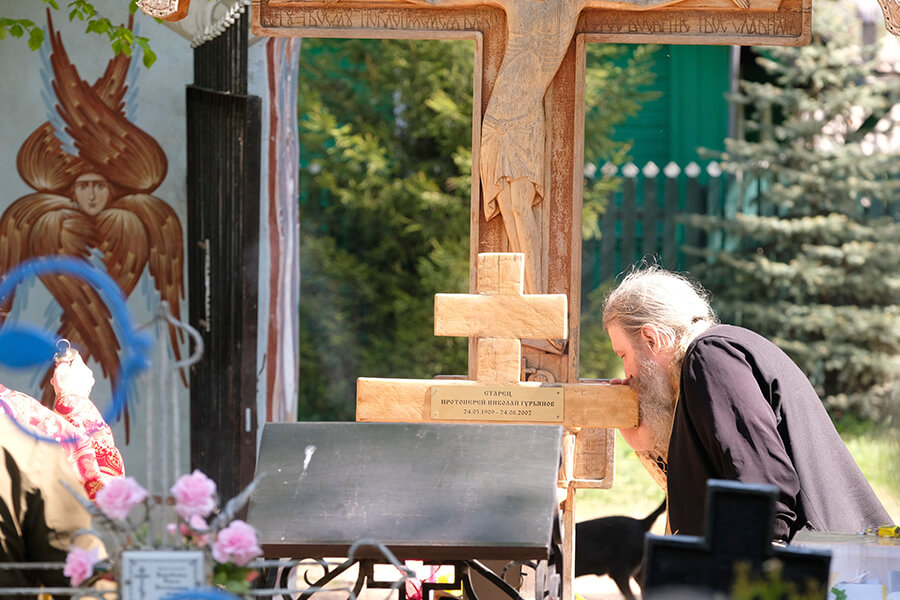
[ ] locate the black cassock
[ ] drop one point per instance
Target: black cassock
(746, 412)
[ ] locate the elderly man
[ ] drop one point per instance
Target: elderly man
(722, 402)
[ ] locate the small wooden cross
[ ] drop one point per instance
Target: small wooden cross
(499, 316)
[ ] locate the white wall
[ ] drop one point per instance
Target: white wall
(159, 111)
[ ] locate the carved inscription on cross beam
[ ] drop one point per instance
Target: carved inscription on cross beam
(746, 22)
(786, 24)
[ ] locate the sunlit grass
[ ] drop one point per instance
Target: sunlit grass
(878, 456)
(634, 493)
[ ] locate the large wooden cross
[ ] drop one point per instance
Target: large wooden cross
(527, 139)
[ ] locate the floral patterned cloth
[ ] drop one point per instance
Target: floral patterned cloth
(75, 423)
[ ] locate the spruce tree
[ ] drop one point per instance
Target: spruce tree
(812, 260)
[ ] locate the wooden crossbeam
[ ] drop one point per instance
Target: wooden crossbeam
(587, 405)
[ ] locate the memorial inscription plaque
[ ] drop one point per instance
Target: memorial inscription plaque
(497, 403)
(153, 575)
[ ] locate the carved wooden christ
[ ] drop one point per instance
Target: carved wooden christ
(512, 157)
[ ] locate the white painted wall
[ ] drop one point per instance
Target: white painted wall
(160, 111)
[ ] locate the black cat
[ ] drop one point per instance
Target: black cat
(613, 546)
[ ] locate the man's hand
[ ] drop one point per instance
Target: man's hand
(72, 377)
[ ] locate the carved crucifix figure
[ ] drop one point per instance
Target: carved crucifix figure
(512, 132)
(512, 164)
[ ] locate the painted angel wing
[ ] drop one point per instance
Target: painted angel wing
(110, 88)
(165, 242)
(43, 163)
(123, 242)
(86, 320)
(16, 227)
(104, 137)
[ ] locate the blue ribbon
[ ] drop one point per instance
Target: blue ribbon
(24, 345)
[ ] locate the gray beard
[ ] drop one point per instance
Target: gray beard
(657, 391)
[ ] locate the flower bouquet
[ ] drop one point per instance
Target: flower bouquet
(227, 544)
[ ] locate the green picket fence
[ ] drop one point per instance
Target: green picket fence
(644, 218)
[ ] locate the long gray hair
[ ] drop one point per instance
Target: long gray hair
(676, 307)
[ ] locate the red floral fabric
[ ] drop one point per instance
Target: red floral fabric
(77, 424)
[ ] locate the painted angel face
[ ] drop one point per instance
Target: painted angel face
(91, 192)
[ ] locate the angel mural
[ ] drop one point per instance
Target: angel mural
(93, 173)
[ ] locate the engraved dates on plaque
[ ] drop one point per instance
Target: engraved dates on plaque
(497, 403)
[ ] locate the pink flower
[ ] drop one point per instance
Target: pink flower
(197, 528)
(195, 494)
(119, 496)
(236, 543)
(80, 564)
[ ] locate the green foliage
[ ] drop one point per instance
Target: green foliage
(877, 452)
(386, 130)
(386, 171)
(121, 39)
(813, 261)
(597, 359)
(616, 82)
(233, 578)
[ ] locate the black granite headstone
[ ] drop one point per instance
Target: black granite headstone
(740, 519)
(428, 491)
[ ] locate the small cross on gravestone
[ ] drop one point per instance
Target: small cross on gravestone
(739, 522)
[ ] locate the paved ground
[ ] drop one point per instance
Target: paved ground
(591, 587)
